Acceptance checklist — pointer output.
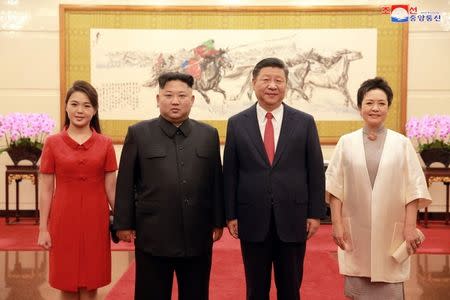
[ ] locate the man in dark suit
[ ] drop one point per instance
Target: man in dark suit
(169, 196)
(274, 185)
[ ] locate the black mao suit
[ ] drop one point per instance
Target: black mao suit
(273, 202)
(169, 189)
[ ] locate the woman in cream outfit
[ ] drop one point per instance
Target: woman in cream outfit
(375, 186)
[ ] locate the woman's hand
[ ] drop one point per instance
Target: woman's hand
(44, 239)
(340, 236)
(412, 238)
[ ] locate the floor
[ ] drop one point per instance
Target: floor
(24, 274)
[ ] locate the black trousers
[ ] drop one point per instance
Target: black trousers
(154, 277)
(287, 260)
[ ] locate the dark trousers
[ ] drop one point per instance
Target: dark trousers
(287, 260)
(154, 277)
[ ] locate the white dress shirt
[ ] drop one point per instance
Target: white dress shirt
(277, 120)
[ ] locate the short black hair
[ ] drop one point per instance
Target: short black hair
(373, 84)
(270, 62)
(164, 78)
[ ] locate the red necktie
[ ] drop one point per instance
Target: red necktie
(269, 142)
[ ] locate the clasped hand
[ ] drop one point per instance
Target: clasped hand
(130, 235)
(126, 235)
(412, 239)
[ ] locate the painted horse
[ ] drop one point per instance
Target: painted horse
(211, 70)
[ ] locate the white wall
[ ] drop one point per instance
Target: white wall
(29, 60)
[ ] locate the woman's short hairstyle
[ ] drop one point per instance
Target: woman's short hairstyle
(373, 84)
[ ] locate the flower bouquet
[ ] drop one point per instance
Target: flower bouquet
(24, 135)
(431, 137)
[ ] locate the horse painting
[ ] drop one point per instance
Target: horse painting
(310, 70)
(211, 72)
(333, 75)
(297, 73)
(296, 82)
(213, 69)
(298, 68)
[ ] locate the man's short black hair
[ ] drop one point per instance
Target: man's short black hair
(270, 62)
(164, 78)
(374, 84)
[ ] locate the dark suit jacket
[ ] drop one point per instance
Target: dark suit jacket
(170, 188)
(293, 187)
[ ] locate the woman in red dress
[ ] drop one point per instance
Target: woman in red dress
(78, 178)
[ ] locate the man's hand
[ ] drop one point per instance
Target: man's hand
(217, 234)
(312, 225)
(126, 235)
(233, 228)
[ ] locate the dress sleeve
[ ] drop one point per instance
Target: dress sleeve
(47, 158)
(334, 175)
(416, 186)
(110, 160)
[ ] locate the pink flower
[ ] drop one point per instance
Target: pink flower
(25, 128)
(429, 132)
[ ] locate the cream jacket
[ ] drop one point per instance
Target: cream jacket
(374, 218)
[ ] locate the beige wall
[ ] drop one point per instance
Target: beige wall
(29, 60)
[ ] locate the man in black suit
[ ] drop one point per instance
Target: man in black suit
(274, 185)
(169, 196)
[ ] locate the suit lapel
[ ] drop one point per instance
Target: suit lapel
(254, 133)
(287, 127)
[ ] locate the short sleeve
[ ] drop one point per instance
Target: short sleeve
(416, 186)
(47, 158)
(334, 175)
(110, 160)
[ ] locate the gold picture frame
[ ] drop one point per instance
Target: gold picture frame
(391, 55)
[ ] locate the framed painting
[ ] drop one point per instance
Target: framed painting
(329, 51)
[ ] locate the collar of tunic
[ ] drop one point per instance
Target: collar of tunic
(170, 130)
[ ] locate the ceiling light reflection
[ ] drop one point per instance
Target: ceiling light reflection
(12, 20)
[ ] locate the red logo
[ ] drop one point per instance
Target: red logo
(413, 10)
(400, 6)
(399, 13)
(386, 10)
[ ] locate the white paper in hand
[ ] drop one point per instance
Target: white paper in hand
(401, 254)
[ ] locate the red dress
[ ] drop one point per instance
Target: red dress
(80, 255)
